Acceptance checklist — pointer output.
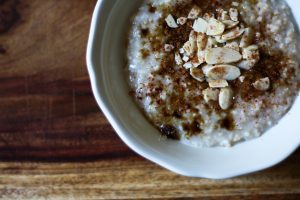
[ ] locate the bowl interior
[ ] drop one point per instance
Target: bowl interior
(107, 67)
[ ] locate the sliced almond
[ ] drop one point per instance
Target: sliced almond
(211, 42)
(205, 68)
(218, 83)
(210, 94)
(230, 24)
(201, 41)
(233, 45)
(247, 64)
(188, 65)
(197, 74)
(236, 4)
(222, 55)
(224, 16)
(242, 79)
(185, 58)
(181, 20)
(208, 16)
(219, 40)
(225, 98)
(224, 72)
(215, 27)
(247, 37)
(195, 12)
(178, 59)
(262, 84)
(201, 56)
(234, 14)
(251, 53)
(200, 25)
(171, 21)
(169, 47)
(195, 61)
(233, 34)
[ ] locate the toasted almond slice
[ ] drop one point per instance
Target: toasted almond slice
(247, 64)
(224, 16)
(197, 74)
(234, 14)
(208, 16)
(251, 53)
(230, 24)
(195, 12)
(185, 58)
(211, 42)
(210, 94)
(188, 65)
(225, 72)
(201, 41)
(200, 25)
(201, 56)
(222, 55)
(225, 98)
(206, 67)
(169, 47)
(218, 83)
(242, 79)
(247, 38)
(262, 84)
(171, 21)
(189, 48)
(181, 20)
(178, 59)
(233, 34)
(219, 40)
(236, 4)
(215, 27)
(233, 45)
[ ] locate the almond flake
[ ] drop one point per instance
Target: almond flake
(219, 40)
(262, 84)
(188, 48)
(218, 83)
(205, 68)
(233, 13)
(233, 45)
(225, 98)
(222, 55)
(251, 53)
(169, 47)
(185, 58)
(236, 4)
(181, 20)
(178, 59)
(188, 65)
(224, 16)
(171, 21)
(233, 34)
(242, 79)
(210, 94)
(197, 74)
(230, 24)
(225, 72)
(201, 41)
(247, 64)
(195, 12)
(201, 56)
(211, 42)
(215, 27)
(200, 25)
(247, 37)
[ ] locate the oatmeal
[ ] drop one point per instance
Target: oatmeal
(213, 73)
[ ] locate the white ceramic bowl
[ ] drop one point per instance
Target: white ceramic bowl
(105, 58)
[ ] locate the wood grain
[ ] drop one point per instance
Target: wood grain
(54, 141)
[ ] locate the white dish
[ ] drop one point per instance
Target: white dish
(105, 58)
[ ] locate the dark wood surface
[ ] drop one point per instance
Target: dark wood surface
(54, 141)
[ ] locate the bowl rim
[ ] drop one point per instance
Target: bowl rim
(98, 20)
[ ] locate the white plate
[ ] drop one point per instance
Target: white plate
(105, 58)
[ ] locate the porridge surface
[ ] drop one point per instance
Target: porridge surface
(185, 101)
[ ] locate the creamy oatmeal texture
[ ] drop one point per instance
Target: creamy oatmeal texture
(213, 73)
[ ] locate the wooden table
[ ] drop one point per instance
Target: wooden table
(54, 141)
